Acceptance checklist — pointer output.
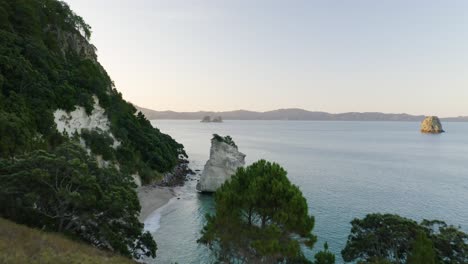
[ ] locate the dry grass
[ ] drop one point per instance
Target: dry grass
(21, 244)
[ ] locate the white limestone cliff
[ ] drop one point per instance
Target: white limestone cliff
(74, 121)
(223, 163)
(137, 179)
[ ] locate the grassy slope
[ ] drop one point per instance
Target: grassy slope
(21, 244)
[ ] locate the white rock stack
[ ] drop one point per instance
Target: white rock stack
(224, 160)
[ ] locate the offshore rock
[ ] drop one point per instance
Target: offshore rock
(224, 160)
(431, 124)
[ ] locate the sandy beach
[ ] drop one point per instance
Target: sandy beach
(151, 198)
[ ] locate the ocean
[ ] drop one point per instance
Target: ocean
(344, 169)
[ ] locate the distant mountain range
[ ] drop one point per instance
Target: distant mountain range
(289, 114)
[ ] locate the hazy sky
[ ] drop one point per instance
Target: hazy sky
(336, 56)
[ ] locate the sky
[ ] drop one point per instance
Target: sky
(392, 56)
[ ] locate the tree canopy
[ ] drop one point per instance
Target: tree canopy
(422, 250)
(65, 191)
(450, 243)
(260, 217)
(324, 256)
(394, 239)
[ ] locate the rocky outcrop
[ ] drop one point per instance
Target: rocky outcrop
(72, 41)
(431, 124)
(136, 179)
(224, 160)
(217, 119)
(77, 120)
(177, 176)
(206, 119)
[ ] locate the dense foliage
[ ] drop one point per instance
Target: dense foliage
(422, 250)
(65, 191)
(99, 142)
(227, 139)
(324, 256)
(387, 238)
(260, 217)
(47, 63)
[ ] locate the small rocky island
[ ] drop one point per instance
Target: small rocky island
(208, 119)
(217, 119)
(224, 160)
(431, 124)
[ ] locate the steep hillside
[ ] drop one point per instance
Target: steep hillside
(20, 244)
(47, 63)
(69, 143)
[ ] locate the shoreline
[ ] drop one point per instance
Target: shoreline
(152, 198)
(156, 195)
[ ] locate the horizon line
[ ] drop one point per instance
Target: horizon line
(296, 108)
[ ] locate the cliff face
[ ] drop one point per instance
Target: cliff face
(77, 120)
(223, 163)
(431, 124)
(76, 43)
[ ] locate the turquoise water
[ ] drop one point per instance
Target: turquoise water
(344, 169)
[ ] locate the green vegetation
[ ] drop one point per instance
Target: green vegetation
(450, 243)
(260, 218)
(324, 256)
(99, 142)
(46, 179)
(387, 238)
(46, 64)
(422, 250)
(20, 244)
(65, 191)
(227, 139)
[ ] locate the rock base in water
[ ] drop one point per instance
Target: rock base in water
(431, 124)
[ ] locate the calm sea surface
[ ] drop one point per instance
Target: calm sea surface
(344, 169)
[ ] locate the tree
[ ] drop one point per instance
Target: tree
(324, 256)
(422, 251)
(450, 243)
(99, 142)
(14, 137)
(380, 236)
(387, 238)
(260, 217)
(65, 191)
